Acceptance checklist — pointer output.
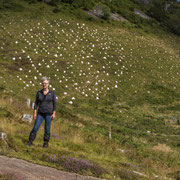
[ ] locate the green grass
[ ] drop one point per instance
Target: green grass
(139, 112)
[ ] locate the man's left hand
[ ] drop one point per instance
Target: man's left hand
(53, 116)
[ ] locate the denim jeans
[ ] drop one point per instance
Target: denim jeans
(39, 120)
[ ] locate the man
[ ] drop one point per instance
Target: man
(44, 109)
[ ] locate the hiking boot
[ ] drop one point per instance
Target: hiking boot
(45, 145)
(32, 136)
(29, 143)
(46, 139)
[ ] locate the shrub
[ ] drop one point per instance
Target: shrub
(76, 165)
(31, 1)
(157, 11)
(56, 10)
(87, 5)
(106, 12)
(174, 25)
(11, 6)
(6, 175)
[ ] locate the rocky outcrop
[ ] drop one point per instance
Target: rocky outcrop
(141, 14)
(29, 171)
(143, 1)
(97, 13)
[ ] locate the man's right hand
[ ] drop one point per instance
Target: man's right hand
(34, 116)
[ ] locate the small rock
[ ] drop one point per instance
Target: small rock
(3, 135)
(174, 119)
(28, 102)
(139, 173)
(121, 150)
(33, 105)
(27, 117)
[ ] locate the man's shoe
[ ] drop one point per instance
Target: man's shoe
(45, 145)
(29, 143)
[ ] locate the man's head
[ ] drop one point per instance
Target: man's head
(45, 82)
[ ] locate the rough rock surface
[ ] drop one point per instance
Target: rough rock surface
(29, 171)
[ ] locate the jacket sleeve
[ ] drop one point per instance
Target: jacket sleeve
(36, 102)
(54, 102)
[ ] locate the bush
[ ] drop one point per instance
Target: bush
(51, 2)
(87, 5)
(157, 11)
(56, 10)
(11, 6)
(31, 1)
(174, 25)
(79, 165)
(75, 165)
(106, 12)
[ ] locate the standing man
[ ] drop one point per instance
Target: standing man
(44, 109)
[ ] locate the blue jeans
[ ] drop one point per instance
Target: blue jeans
(38, 122)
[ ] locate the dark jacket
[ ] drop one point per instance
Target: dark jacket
(46, 104)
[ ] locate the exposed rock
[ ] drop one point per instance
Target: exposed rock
(143, 1)
(167, 6)
(139, 173)
(141, 14)
(27, 117)
(3, 135)
(97, 13)
(30, 171)
(33, 105)
(174, 120)
(28, 102)
(90, 13)
(121, 150)
(117, 17)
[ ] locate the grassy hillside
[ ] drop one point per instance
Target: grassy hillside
(107, 78)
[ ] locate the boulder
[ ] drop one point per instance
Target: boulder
(27, 118)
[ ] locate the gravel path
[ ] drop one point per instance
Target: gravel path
(29, 171)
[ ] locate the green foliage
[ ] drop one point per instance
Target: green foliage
(157, 11)
(10, 5)
(31, 1)
(127, 174)
(174, 25)
(81, 129)
(4, 113)
(87, 5)
(106, 12)
(56, 10)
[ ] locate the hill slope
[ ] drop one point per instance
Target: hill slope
(108, 79)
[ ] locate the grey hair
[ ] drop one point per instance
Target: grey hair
(45, 79)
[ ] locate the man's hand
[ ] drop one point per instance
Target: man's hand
(53, 116)
(34, 115)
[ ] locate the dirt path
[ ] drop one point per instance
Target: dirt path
(29, 171)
